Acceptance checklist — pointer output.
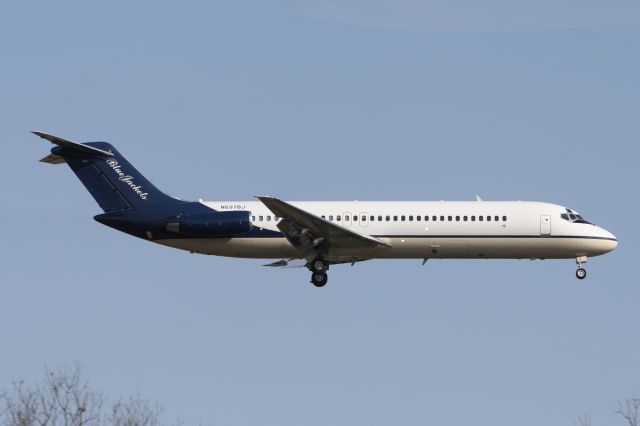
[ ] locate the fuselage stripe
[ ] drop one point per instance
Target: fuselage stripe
(588, 237)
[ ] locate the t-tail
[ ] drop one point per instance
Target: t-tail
(112, 181)
(134, 205)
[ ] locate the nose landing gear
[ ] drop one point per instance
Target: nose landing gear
(581, 273)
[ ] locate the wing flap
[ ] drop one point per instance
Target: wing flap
(290, 263)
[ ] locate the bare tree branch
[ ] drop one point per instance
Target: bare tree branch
(630, 411)
(65, 399)
(584, 419)
(134, 412)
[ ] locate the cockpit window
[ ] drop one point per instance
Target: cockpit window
(573, 217)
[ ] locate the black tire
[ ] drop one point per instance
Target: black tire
(581, 273)
(319, 279)
(319, 265)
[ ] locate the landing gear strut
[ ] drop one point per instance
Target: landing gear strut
(581, 273)
(318, 268)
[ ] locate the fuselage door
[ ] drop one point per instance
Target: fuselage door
(545, 225)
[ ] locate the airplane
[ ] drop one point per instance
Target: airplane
(319, 234)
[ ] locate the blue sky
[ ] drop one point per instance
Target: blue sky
(325, 100)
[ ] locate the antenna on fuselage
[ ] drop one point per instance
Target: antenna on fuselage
(478, 198)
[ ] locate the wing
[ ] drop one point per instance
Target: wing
(311, 234)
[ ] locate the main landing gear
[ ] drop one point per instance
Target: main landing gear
(581, 273)
(319, 279)
(318, 268)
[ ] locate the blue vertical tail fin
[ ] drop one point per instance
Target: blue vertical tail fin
(112, 181)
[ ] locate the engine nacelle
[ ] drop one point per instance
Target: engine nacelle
(214, 224)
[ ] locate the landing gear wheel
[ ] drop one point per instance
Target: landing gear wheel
(318, 265)
(319, 279)
(581, 273)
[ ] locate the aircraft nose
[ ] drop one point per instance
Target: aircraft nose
(610, 239)
(614, 241)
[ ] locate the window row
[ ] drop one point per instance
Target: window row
(426, 218)
(401, 218)
(263, 218)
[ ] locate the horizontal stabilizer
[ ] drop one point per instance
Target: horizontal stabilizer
(53, 159)
(74, 147)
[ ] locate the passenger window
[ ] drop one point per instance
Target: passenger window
(496, 218)
(465, 218)
(457, 218)
(388, 218)
(355, 218)
(395, 218)
(339, 218)
(323, 217)
(418, 218)
(269, 218)
(426, 218)
(372, 218)
(441, 218)
(480, 218)
(364, 218)
(261, 218)
(402, 218)
(488, 218)
(504, 218)
(379, 218)
(434, 218)
(253, 218)
(331, 217)
(473, 218)
(410, 218)
(450, 218)
(346, 218)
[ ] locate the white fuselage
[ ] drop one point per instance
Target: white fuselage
(420, 229)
